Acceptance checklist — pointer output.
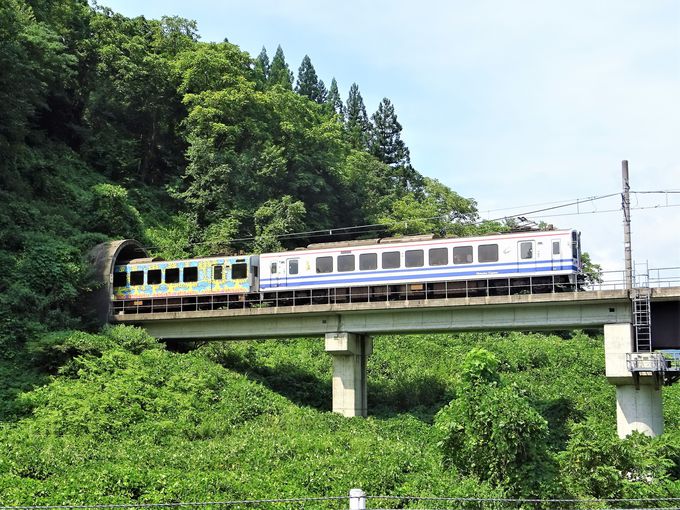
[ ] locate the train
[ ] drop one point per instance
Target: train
(412, 267)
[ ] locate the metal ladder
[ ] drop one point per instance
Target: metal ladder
(640, 297)
(642, 319)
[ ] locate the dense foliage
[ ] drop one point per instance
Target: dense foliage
(116, 127)
(125, 420)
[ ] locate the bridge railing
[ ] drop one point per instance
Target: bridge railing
(658, 277)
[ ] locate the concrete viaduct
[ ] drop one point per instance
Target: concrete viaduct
(347, 329)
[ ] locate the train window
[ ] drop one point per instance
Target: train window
(218, 272)
(526, 250)
(487, 253)
(120, 279)
(153, 277)
(368, 261)
(255, 271)
(346, 263)
(137, 278)
(438, 256)
(239, 271)
(414, 258)
(556, 247)
(190, 274)
(574, 245)
(172, 275)
(462, 255)
(391, 260)
(293, 266)
(324, 264)
(273, 268)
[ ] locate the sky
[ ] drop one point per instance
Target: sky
(520, 105)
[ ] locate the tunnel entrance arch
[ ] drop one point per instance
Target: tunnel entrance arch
(103, 258)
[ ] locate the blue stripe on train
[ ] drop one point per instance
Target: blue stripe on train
(431, 268)
(361, 279)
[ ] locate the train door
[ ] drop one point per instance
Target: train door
(556, 254)
(292, 270)
(526, 256)
(217, 276)
(278, 273)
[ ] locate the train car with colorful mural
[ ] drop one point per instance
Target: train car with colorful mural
(153, 284)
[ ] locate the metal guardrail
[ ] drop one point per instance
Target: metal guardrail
(662, 365)
(653, 277)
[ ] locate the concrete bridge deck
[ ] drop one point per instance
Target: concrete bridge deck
(514, 312)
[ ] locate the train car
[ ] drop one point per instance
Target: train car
(518, 262)
(149, 285)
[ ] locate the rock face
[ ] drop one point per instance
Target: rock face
(103, 258)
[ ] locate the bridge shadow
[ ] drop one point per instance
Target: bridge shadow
(302, 387)
(558, 412)
(422, 397)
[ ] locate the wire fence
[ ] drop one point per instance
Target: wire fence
(358, 500)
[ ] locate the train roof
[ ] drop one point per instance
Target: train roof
(415, 240)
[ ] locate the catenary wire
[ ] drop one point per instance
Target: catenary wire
(377, 227)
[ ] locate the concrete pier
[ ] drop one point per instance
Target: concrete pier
(637, 409)
(350, 352)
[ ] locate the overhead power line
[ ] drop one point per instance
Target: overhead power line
(379, 227)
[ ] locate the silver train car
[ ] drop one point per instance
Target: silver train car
(531, 261)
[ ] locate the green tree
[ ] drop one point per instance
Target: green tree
(134, 109)
(356, 120)
(110, 213)
(491, 431)
(279, 72)
(334, 100)
(35, 68)
(438, 210)
(592, 272)
(308, 83)
(386, 145)
(597, 464)
(275, 218)
(262, 67)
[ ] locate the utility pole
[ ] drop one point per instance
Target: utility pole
(625, 205)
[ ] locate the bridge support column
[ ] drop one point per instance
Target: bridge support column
(349, 352)
(637, 408)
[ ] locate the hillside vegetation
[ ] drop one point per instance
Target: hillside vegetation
(469, 415)
(112, 127)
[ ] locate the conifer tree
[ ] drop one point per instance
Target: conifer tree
(334, 100)
(356, 119)
(323, 92)
(308, 83)
(262, 66)
(386, 145)
(279, 73)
